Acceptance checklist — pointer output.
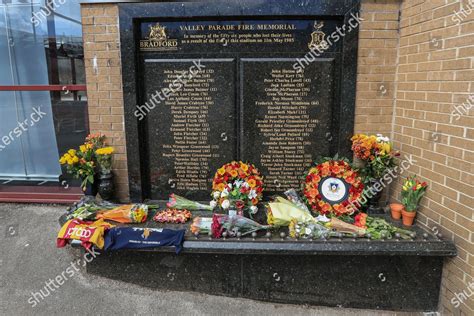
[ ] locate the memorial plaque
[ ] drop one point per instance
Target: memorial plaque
(286, 118)
(193, 129)
(256, 99)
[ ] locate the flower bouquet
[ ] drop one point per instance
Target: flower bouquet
(87, 208)
(231, 225)
(104, 159)
(83, 163)
(282, 211)
(181, 203)
(237, 185)
(376, 152)
(379, 228)
(127, 213)
(172, 216)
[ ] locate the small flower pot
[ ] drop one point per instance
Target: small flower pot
(408, 217)
(396, 210)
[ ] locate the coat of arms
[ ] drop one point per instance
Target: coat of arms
(317, 36)
(157, 33)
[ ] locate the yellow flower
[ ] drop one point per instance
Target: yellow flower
(62, 160)
(385, 148)
(220, 187)
(69, 161)
(105, 151)
(71, 152)
(83, 148)
(75, 159)
(221, 171)
(405, 188)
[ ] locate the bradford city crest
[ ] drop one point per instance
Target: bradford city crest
(317, 36)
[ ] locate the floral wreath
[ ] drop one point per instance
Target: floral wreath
(237, 181)
(339, 169)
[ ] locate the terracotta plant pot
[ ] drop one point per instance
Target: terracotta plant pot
(396, 209)
(408, 217)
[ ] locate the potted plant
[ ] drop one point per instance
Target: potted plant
(82, 163)
(375, 157)
(104, 160)
(396, 210)
(412, 192)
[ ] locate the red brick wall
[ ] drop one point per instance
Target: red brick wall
(434, 75)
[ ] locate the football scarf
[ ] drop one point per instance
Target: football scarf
(89, 233)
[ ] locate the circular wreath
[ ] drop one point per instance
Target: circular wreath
(339, 175)
(237, 181)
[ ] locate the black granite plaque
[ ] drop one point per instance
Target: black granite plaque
(286, 117)
(192, 129)
(265, 102)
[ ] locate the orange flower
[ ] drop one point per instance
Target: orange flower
(220, 187)
(252, 183)
(325, 171)
(234, 173)
(244, 167)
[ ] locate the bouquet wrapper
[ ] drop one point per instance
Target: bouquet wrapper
(233, 224)
(128, 213)
(295, 198)
(344, 227)
(283, 211)
(180, 203)
(307, 230)
(222, 222)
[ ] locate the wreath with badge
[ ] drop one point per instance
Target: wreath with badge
(332, 188)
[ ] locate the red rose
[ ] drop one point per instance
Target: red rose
(216, 227)
(239, 204)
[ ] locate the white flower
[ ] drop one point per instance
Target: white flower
(230, 186)
(216, 195)
(252, 194)
(225, 204)
(381, 138)
(322, 218)
(238, 183)
(213, 204)
(246, 185)
(253, 209)
(224, 193)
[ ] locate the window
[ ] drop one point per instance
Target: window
(43, 101)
